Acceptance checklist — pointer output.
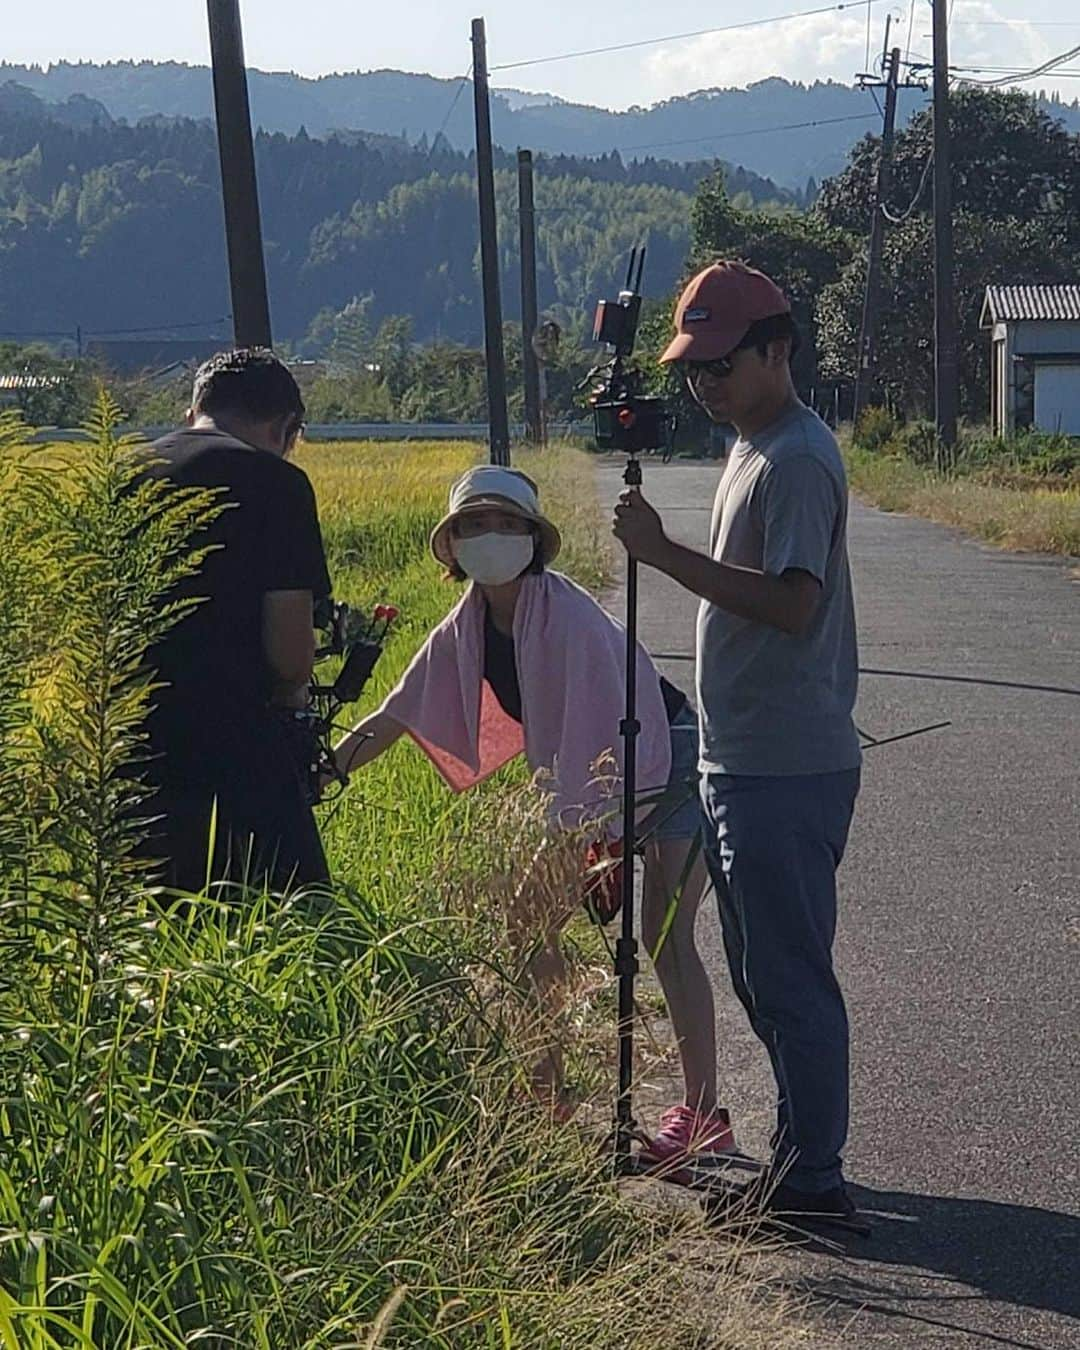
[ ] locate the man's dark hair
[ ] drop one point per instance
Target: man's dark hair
(251, 382)
(764, 331)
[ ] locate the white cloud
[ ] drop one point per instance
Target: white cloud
(833, 46)
(821, 46)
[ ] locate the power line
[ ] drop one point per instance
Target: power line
(1018, 23)
(910, 25)
(752, 131)
(157, 328)
(898, 219)
(462, 82)
(1033, 74)
(1010, 70)
(866, 62)
(679, 37)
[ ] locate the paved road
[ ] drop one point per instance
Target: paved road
(959, 943)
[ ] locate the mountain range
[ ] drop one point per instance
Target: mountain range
(760, 126)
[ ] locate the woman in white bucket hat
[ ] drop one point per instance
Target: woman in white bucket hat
(528, 662)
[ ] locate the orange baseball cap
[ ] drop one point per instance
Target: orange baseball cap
(717, 308)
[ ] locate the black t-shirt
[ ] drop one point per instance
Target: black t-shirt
(214, 717)
(500, 671)
(500, 668)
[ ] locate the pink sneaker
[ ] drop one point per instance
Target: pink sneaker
(685, 1134)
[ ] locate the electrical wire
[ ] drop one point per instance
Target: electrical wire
(910, 25)
(866, 60)
(157, 328)
(678, 37)
(752, 131)
(463, 81)
(1033, 74)
(898, 219)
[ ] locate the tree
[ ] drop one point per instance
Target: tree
(802, 253)
(1016, 183)
(1009, 159)
(987, 252)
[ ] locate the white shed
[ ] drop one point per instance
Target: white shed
(1035, 357)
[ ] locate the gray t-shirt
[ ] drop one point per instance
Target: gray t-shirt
(773, 703)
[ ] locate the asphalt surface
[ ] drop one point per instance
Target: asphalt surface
(959, 938)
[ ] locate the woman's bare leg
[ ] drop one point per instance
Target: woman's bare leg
(679, 968)
(549, 975)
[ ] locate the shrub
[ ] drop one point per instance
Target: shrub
(875, 429)
(918, 441)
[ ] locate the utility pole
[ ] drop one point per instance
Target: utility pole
(527, 228)
(239, 186)
(498, 426)
(865, 374)
(945, 366)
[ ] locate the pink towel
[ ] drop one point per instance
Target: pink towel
(571, 658)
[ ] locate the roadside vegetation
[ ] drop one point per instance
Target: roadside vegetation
(1020, 493)
(265, 1123)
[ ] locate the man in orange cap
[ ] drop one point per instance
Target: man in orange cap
(776, 680)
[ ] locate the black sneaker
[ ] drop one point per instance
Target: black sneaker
(764, 1199)
(834, 1203)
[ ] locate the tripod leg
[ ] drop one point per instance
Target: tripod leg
(626, 965)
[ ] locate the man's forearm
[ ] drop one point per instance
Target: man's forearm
(756, 596)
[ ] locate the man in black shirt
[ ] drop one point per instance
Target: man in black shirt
(246, 651)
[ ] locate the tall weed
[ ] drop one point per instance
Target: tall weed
(281, 1122)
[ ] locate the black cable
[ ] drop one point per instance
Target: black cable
(678, 37)
(898, 219)
(1045, 68)
(753, 131)
(910, 25)
(39, 333)
(157, 328)
(462, 82)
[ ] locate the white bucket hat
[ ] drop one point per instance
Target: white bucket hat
(487, 487)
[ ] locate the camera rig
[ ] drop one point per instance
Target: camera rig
(623, 417)
(359, 639)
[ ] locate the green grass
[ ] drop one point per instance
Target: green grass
(292, 1125)
(1000, 503)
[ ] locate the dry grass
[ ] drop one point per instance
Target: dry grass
(1025, 518)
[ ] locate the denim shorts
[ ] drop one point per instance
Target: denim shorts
(677, 814)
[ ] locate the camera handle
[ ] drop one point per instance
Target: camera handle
(626, 963)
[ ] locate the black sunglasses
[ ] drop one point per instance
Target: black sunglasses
(720, 366)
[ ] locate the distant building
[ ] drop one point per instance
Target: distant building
(1035, 358)
(148, 355)
(14, 386)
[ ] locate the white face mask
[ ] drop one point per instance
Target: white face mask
(494, 559)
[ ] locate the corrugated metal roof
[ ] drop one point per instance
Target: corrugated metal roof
(20, 382)
(1020, 303)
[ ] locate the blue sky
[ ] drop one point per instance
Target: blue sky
(317, 36)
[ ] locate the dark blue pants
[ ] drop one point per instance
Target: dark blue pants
(773, 846)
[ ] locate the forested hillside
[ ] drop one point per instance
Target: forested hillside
(106, 226)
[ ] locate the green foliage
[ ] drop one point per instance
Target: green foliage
(266, 1121)
(1010, 159)
(1016, 188)
(91, 552)
(1032, 459)
(55, 392)
(987, 251)
(113, 226)
(802, 253)
(875, 429)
